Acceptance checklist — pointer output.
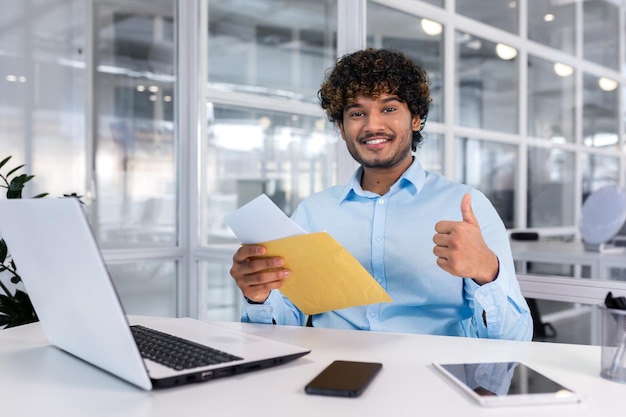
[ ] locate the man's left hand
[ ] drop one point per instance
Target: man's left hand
(461, 249)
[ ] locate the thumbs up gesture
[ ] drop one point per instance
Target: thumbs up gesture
(461, 249)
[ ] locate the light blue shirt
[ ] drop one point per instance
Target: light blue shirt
(391, 236)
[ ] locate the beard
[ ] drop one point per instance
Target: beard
(379, 162)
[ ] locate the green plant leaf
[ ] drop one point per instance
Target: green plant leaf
(18, 309)
(8, 305)
(17, 185)
(20, 180)
(3, 251)
(4, 320)
(76, 196)
(14, 194)
(4, 161)
(27, 311)
(42, 195)
(14, 169)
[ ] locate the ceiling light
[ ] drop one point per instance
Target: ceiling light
(563, 70)
(265, 122)
(431, 28)
(474, 44)
(549, 17)
(607, 84)
(505, 52)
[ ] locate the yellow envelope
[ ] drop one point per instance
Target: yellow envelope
(324, 275)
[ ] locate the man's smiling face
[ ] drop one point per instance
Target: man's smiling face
(378, 132)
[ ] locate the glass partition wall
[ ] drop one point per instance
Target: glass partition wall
(166, 115)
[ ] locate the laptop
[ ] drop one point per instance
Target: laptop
(65, 276)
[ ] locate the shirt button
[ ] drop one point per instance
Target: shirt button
(379, 239)
(381, 201)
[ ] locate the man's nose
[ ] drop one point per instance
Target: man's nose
(374, 122)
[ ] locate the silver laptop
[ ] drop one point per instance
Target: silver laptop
(64, 274)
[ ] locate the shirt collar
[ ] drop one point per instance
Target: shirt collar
(414, 176)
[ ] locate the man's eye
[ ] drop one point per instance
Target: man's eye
(389, 109)
(356, 114)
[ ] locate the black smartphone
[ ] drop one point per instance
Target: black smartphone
(343, 379)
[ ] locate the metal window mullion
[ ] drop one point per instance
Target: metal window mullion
(91, 110)
(351, 26)
(621, 141)
(449, 93)
(578, 119)
(351, 36)
(191, 40)
(521, 185)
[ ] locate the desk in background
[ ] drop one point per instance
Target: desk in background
(37, 379)
(600, 265)
(567, 253)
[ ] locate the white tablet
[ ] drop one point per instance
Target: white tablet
(506, 383)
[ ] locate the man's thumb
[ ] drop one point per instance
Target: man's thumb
(466, 209)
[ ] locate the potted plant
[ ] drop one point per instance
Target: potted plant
(15, 305)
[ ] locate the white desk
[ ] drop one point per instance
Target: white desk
(38, 380)
(568, 253)
(556, 288)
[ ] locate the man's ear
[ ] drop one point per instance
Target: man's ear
(340, 126)
(416, 121)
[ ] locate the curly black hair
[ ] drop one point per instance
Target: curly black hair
(372, 72)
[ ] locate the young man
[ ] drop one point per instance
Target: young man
(389, 215)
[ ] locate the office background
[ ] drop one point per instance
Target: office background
(166, 115)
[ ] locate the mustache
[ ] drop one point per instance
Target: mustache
(369, 136)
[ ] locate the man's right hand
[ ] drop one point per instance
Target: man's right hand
(255, 274)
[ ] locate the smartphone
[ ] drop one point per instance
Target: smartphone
(343, 379)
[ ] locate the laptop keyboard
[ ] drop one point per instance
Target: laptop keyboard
(174, 352)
